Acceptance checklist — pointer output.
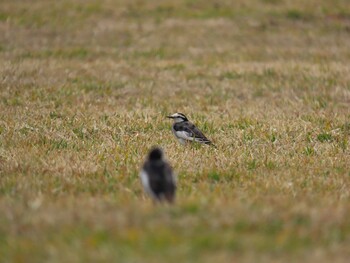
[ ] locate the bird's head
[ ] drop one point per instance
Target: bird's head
(178, 117)
(155, 154)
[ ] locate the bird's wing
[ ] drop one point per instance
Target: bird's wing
(170, 183)
(170, 176)
(189, 131)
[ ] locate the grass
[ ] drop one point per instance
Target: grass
(84, 90)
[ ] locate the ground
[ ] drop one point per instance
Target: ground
(84, 90)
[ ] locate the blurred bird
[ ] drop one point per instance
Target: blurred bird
(157, 177)
(186, 131)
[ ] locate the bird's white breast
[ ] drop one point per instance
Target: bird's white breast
(179, 136)
(145, 183)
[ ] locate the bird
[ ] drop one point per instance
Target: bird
(157, 177)
(186, 131)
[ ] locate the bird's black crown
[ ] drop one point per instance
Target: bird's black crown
(178, 115)
(155, 154)
(183, 116)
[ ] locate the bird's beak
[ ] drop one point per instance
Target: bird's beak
(170, 117)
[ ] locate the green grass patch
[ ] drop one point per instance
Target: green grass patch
(324, 137)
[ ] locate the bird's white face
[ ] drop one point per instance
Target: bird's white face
(178, 117)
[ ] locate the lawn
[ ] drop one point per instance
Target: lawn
(85, 87)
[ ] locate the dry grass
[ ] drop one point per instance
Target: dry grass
(85, 87)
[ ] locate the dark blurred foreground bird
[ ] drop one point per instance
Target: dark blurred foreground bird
(157, 177)
(186, 131)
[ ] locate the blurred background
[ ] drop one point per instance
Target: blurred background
(85, 86)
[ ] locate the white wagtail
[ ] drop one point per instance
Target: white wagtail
(157, 177)
(186, 131)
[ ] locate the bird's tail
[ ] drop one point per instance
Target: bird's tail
(213, 145)
(210, 143)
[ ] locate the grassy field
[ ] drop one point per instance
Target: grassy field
(84, 90)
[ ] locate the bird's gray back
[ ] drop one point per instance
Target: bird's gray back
(191, 129)
(161, 180)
